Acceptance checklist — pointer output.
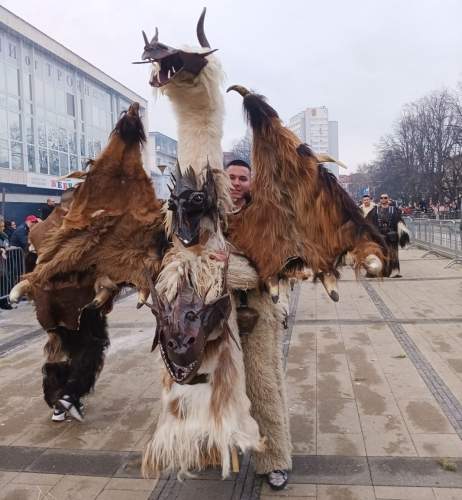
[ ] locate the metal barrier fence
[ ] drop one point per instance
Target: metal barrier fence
(440, 237)
(12, 266)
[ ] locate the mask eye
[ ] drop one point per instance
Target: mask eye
(191, 316)
(197, 199)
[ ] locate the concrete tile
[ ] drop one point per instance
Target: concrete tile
(131, 484)
(397, 493)
(448, 493)
(78, 487)
(337, 416)
(89, 463)
(425, 416)
(107, 494)
(340, 444)
(37, 479)
(6, 477)
(17, 458)
(16, 491)
(291, 491)
(438, 445)
(340, 492)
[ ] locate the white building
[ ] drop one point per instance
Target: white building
(313, 127)
(56, 111)
(165, 159)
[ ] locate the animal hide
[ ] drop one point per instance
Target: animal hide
(299, 215)
(403, 235)
(114, 224)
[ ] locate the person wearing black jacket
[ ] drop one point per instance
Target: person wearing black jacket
(388, 220)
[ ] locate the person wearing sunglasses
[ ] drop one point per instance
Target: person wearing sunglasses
(388, 220)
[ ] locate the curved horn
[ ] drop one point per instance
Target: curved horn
(200, 30)
(330, 284)
(155, 38)
(146, 41)
(19, 290)
(239, 89)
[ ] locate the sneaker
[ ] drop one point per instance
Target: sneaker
(277, 479)
(72, 407)
(59, 414)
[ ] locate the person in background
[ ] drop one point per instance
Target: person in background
(47, 209)
(367, 204)
(10, 228)
(4, 269)
(387, 218)
(20, 236)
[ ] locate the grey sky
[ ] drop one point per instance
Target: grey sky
(362, 59)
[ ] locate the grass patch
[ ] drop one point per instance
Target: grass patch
(400, 356)
(446, 464)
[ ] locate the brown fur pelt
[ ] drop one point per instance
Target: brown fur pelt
(114, 224)
(299, 214)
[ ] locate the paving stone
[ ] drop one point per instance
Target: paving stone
(345, 492)
(88, 463)
(16, 491)
(37, 479)
(131, 484)
(340, 444)
(395, 471)
(330, 470)
(108, 494)
(438, 445)
(17, 458)
(6, 477)
(448, 493)
(78, 487)
(130, 467)
(396, 493)
(292, 490)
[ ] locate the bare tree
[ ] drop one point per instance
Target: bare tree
(242, 148)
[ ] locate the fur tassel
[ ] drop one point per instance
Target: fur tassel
(403, 235)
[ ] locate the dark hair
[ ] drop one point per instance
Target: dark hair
(238, 163)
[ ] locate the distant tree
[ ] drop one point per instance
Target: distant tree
(242, 148)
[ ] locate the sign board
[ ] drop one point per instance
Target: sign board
(49, 182)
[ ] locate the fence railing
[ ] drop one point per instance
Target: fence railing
(12, 266)
(441, 237)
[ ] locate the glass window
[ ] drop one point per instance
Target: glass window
(29, 128)
(14, 104)
(2, 79)
(3, 123)
(74, 163)
(4, 154)
(70, 100)
(42, 134)
(17, 162)
(14, 123)
(73, 143)
(63, 163)
(54, 163)
(82, 145)
(52, 134)
(12, 79)
(62, 139)
(30, 158)
(43, 158)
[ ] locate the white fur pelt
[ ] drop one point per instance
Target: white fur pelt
(199, 107)
(404, 237)
(200, 424)
(365, 210)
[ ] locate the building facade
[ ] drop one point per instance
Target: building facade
(165, 154)
(56, 111)
(313, 127)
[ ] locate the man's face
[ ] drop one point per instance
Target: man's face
(366, 201)
(384, 200)
(50, 202)
(240, 181)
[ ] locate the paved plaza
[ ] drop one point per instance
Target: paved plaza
(375, 386)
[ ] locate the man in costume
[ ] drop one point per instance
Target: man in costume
(388, 220)
(271, 412)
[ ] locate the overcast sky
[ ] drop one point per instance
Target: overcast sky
(361, 59)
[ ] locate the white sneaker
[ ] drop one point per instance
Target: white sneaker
(74, 409)
(59, 415)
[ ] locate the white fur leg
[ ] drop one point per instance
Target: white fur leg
(404, 236)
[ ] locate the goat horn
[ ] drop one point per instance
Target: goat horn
(155, 38)
(19, 290)
(200, 30)
(100, 298)
(239, 89)
(273, 287)
(330, 284)
(146, 41)
(373, 265)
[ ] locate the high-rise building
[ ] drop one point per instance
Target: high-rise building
(165, 158)
(56, 111)
(313, 127)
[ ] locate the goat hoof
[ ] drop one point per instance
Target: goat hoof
(334, 296)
